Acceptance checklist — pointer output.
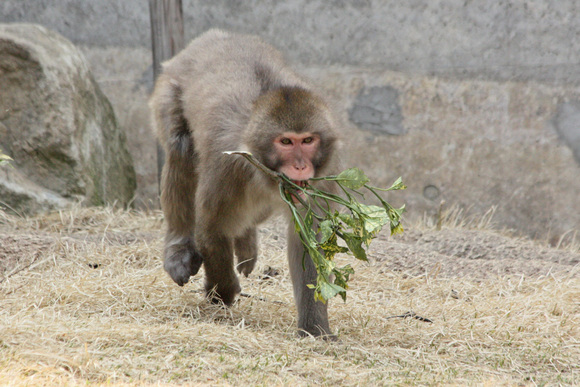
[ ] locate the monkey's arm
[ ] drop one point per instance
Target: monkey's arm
(250, 157)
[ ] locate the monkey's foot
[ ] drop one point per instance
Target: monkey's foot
(182, 261)
(317, 332)
(247, 266)
(225, 294)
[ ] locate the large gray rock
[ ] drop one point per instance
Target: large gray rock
(57, 126)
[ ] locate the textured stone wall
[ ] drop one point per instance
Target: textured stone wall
(474, 103)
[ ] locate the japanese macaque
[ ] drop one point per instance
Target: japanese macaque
(228, 92)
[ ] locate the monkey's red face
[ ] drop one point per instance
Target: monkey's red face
(296, 152)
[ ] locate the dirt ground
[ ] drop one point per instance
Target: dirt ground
(469, 253)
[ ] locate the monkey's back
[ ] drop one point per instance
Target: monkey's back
(220, 75)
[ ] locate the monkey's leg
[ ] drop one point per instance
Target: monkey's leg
(246, 248)
(178, 186)
(312, 315)
(221, 281)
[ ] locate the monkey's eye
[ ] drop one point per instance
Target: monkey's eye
(286, 141)
(307, 140)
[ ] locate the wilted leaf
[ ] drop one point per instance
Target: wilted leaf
(398, 184)
(396, 213)
(398, 229)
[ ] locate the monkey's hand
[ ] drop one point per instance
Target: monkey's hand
(181, 262)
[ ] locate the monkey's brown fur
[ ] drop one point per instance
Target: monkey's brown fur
(229, 92)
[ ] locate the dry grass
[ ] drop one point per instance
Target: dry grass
(94, 306)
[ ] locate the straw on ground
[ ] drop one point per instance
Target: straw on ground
(84, 299)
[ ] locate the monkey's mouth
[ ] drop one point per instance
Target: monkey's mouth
(301, 184)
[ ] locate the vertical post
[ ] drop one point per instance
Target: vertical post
(167, 40)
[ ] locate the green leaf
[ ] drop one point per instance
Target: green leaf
(308, 219)
(331, 249)
(398, 184)
(376, 218)
(354, 244)
(328, 290)
(352, 178)
(326, 231)
(342, 274)
(356, 228)
(348, 220)
(297, 224)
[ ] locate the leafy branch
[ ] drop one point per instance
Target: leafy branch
(319, 226)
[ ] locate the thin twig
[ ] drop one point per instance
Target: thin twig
(413, 315)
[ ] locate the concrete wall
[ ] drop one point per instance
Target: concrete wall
(502, 40)
(472, 102)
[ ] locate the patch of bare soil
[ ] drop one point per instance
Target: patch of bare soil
(21, 250)
(476, 254)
